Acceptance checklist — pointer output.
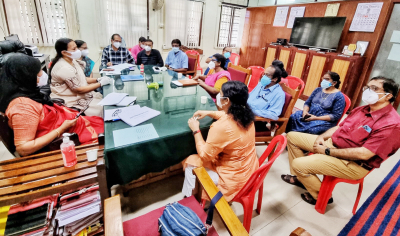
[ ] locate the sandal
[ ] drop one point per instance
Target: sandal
(310, 200)
(296, 182)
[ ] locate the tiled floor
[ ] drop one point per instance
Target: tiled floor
(282, 211)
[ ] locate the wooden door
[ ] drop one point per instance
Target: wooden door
(284, 56)
(341, 67)
(298, 63)
(315, 70)
(271, 53)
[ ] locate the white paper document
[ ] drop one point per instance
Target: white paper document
(126, 101)
(112, 114)
(366, 17)
(121, 66)
(177, 83)
(295, 12)
(280, 16)
(112, 99)
(134, 134)
(134, 117)
(68, 216)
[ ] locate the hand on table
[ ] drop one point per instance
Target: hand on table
(193, 124)
(109, 63)
(105, 81)
(200, 114)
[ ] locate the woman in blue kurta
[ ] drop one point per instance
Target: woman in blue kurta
(323, 108)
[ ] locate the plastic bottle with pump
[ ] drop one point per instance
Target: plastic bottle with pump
(68, 151)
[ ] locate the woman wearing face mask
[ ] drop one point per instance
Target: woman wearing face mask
(226, 52)
(68, 82)
(229, 150)
(213, 83)
(84, 61)
(35, 120)
(322, 110)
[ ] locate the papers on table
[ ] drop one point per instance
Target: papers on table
(177, 83)
(117, 69)
(126, 101)
(134, 134)
(112, 99)
(134, 117)
(132, 77)
(112, 114)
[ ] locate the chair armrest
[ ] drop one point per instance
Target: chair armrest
(280, 119)
(113, 216)
(229, 218)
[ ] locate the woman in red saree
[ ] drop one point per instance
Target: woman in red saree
(35, 120)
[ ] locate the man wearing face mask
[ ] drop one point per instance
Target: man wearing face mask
(226, 52)
(138, 48)
(114, 54)
(366, 138)
(149, 56)
(267, 98)
(177, 60)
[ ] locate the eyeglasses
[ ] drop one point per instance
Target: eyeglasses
(214, 60)
(373, 88)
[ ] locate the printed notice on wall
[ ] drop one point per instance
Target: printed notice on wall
(366, 17)
(280, 16)
(295, 12)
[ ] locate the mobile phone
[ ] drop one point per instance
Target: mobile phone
(305, 117)
(81, 112)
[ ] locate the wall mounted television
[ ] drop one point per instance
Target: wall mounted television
(317, 32)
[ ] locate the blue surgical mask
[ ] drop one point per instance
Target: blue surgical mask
(265, 80)
(227, 55)
(325, 84)
(175, 49)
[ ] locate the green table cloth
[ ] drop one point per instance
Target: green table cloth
(175, 142)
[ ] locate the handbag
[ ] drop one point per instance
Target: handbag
(180, 220)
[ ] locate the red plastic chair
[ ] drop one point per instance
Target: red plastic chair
(293, 82)
(256, 72)
(256, 182)
(193, 52)
(328, 184)
(233, 57)
(50, 64)
(346, 108)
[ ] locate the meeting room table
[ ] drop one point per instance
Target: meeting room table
(175, 142)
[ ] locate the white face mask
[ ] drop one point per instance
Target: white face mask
(117, 44)
(211, 65)
(147, 48)
(370, 97)
(75, 55)
(142, 46)
(85, 52)
(218, 98)
(43, 79)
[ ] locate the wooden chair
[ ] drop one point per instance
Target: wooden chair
(26, 178)
(112, 209)
(239, 73)
(291, 96)
(197, 54)
(192, 64)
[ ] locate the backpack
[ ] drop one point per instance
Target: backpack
(182, 221)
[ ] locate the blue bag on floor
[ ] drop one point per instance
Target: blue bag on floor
(180, 220)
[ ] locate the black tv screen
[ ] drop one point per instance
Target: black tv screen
(318, 32)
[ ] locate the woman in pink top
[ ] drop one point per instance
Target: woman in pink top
(212, 83)
(136, 49)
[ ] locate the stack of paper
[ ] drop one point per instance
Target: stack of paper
(126, 101)
(112, 114)
(78, 205)
(112, 99)
(117, 69)
(136, 116)
(134, 134)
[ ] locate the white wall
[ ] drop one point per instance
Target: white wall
(211, 15)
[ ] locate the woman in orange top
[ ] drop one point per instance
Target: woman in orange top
(35, 120)
(229, 154)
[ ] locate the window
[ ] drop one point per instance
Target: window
(183, 20)
(229, 27)
(125, 17)
(40, 22)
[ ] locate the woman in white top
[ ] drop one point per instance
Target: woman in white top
(68, 81)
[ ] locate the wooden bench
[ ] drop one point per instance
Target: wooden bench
(36, 176)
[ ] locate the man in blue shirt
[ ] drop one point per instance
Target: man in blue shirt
(267, 99)
(176, 59)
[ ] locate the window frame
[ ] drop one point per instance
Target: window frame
(231, 24)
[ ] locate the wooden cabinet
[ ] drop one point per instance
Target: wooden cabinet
(298, 62)
(271, 54)
(285, 55)
(316, 67)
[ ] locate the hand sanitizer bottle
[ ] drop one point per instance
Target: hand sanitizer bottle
(142, 69)
(68, 151)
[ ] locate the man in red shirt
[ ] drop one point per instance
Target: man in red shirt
(367, 137)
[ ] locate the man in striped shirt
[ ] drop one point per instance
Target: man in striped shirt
(114, 54)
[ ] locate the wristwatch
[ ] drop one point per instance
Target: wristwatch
(195, 132)
(328, 151)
